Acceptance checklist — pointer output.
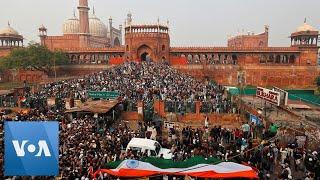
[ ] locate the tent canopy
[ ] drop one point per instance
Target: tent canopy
(100, 107)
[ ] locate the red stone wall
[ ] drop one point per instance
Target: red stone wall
(31, 76)
(282, 76)
(308, 56)
(225, 120)
(61, 42)
(259, 40)
(4, 52)
(24, 75)
(261, 75)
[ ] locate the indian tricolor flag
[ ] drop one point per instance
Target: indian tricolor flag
(134, 168)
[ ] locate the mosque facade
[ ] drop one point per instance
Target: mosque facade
(85, 31)
(246, 60)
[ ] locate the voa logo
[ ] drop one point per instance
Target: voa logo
(31, 148)
(42, 148)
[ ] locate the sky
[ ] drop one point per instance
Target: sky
(191, 22)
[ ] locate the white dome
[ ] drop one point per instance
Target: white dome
(305, 27)
(9, 31)
(71, 26)
(97, 27)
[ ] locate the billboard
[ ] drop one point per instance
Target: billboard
(283, 95)
(269, 95)
(256, 120)
(104, 94)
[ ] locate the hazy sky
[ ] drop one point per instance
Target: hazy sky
(192, 22)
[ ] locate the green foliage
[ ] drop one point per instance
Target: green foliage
(34, 56)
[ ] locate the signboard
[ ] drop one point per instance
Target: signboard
(103, 94)
(269, 95)
(255, 119)
(283, 95)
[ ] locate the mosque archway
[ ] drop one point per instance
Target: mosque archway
(145, 56)
(116, 42)
(145, 53)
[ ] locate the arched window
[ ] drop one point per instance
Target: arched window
(234, 59)
(127, 48)
(292, 59)
(278, 59)
(163, 47)
(271, 59)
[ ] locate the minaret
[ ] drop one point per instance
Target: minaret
(129, 19)
(84, 22)
(43, 34)
(111, 31)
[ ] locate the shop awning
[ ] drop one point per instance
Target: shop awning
(100, 107)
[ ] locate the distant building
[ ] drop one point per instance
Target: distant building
(9, 39)
(250, 40)
(83, 32)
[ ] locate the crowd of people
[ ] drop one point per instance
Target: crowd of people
(137, 81)
(88, 143)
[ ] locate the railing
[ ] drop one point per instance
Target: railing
(180, 107)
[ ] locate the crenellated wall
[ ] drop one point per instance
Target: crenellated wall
(61, 42)
(250, 40)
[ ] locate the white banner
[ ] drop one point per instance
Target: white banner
(271, 96)
(283, 96)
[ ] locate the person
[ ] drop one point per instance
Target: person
(206, 122)
(284, 172)
(273, 129)
(284, 153)
(246, 130)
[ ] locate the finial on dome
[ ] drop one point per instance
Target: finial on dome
(8, 23)
(93, 11)
(74, 12)
(305, 20)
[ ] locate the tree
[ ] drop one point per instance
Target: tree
(34, 56)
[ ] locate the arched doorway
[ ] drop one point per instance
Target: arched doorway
(116, 42)
(145, 53)
(145, 56)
